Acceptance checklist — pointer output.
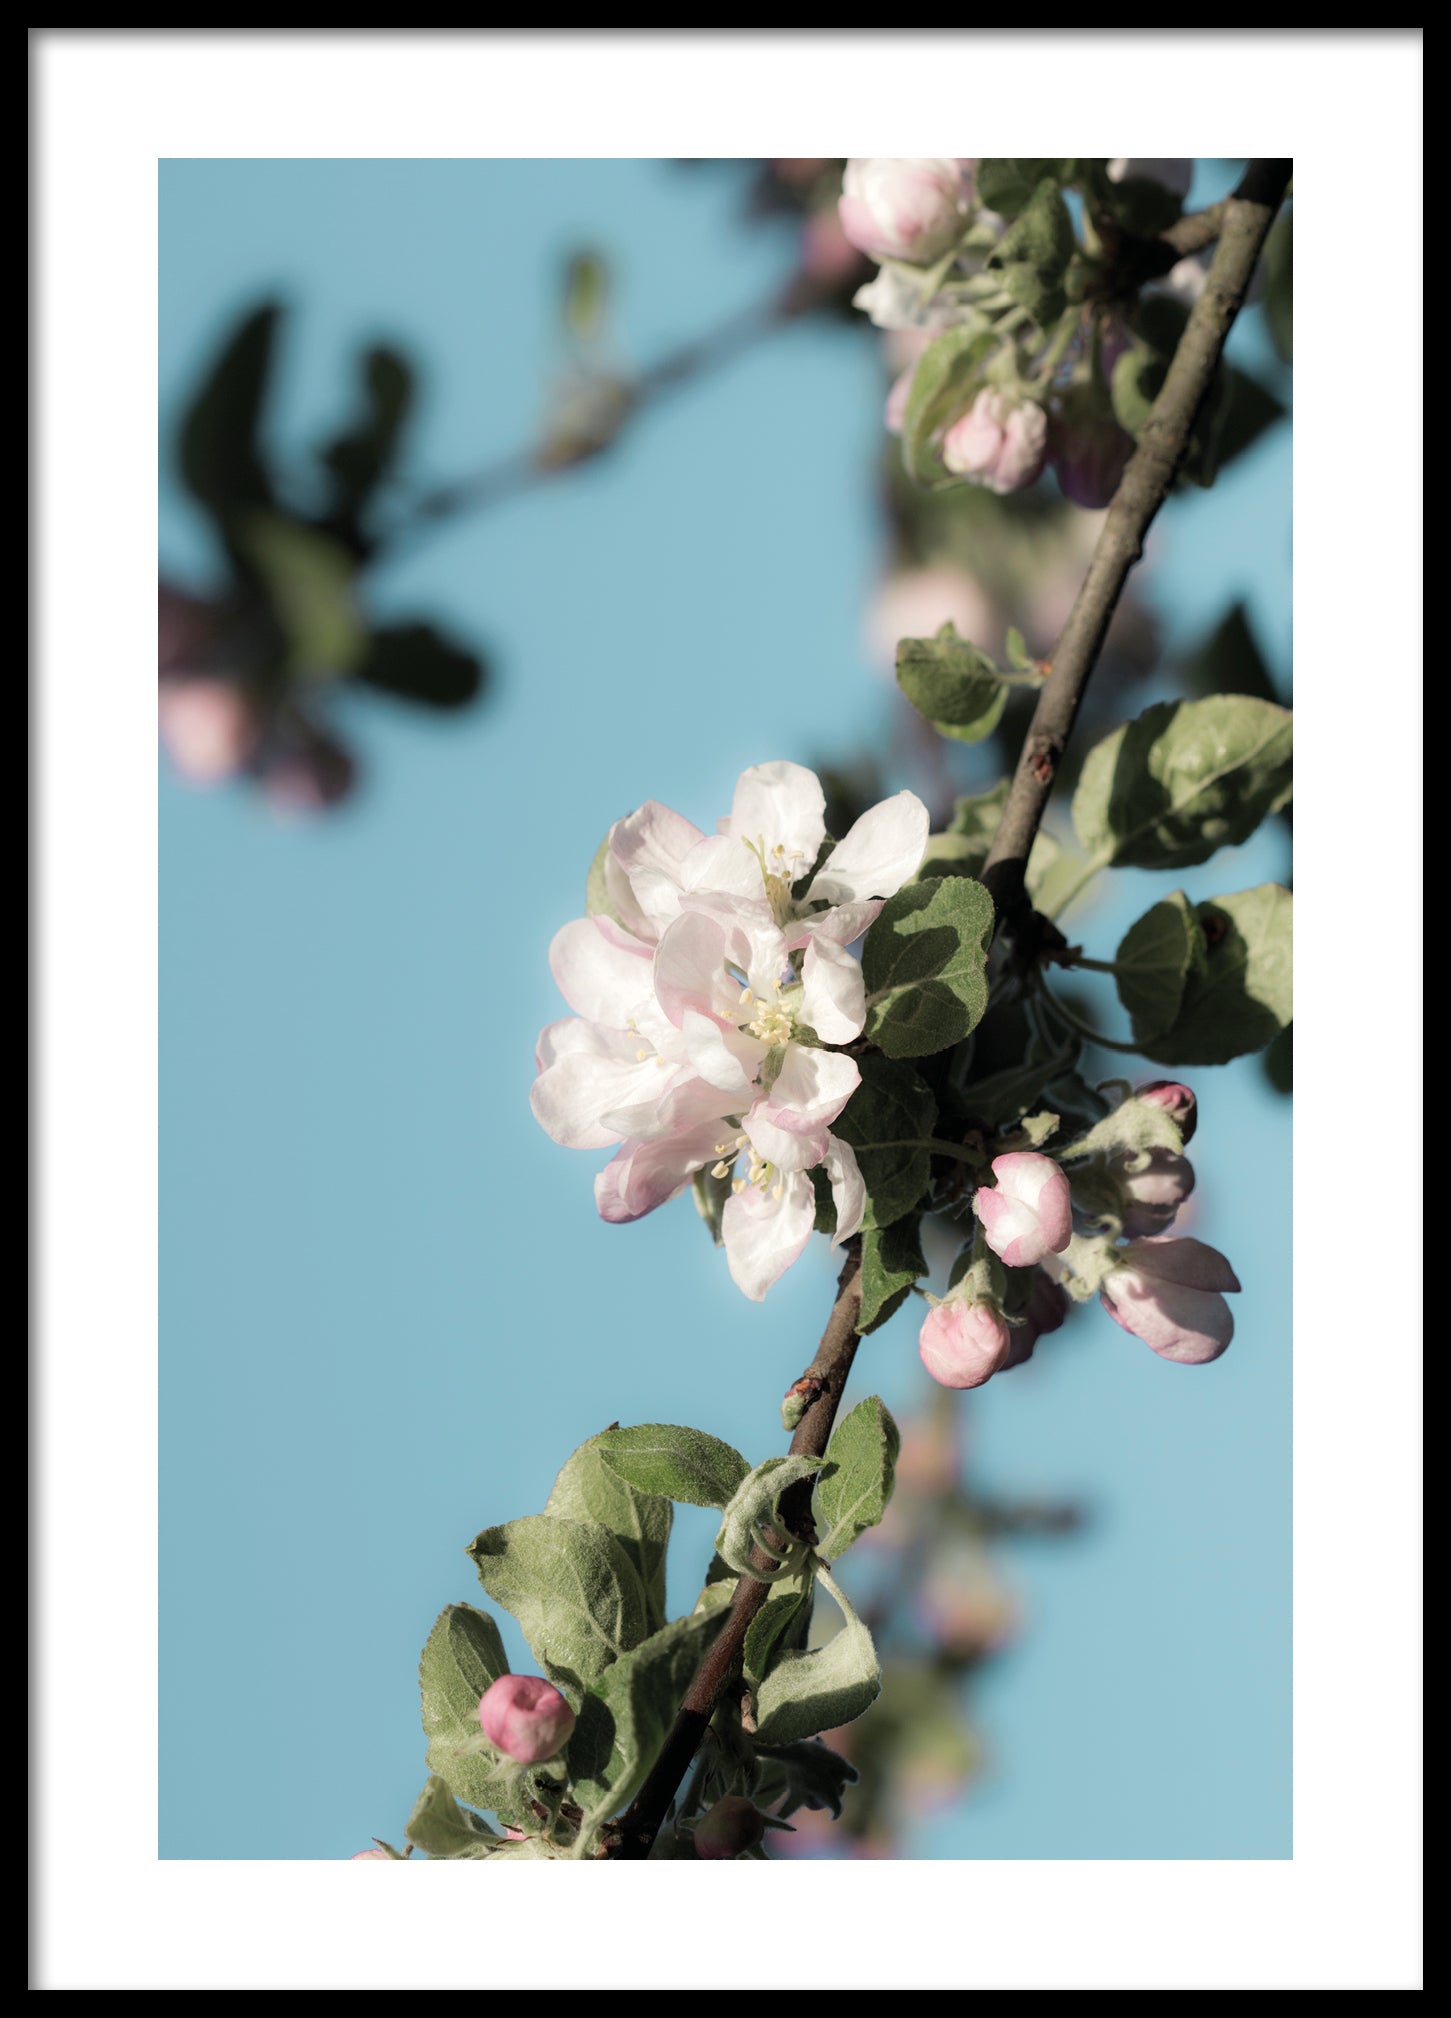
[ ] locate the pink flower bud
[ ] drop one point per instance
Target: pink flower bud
(526, 1717)
(208, 726)
(1029, 1213)
(903, 209)
(1088, 449)
(1176, 1101)
(1168, 1291)
(999, 443)
(827, 255)
(364, 1856)
(731, 1827)
(1151, 1197)
(963, 1344)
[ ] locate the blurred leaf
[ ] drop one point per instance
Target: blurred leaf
(1184, 779)
(924, 963)
(309, 578)
(586, 295)
(1279, 1060)
(361, 457)
(948, 375)
(1033, 253)
(1248, 409)
(681, 1464)
(220, 455)
(416, 663)
(441, 1828)
(1230, 661)
(1010, 186)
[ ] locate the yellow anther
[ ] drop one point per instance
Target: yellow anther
(720, 1170)
(641, 1056)
(739, 1185)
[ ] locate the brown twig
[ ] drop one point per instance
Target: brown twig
(637, 1829)
(1243, 229)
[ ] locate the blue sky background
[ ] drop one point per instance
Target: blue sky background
(389, 1310)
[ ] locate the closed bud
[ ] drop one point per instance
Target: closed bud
(1176, 1100)
(908, 209)
(733, 1826)
(1000, 443)
(1088, 449)
(526, 1718)
(208, 726)
(963, 1344)
(1152, 1186)
(1029, 1212)
(372, 1856)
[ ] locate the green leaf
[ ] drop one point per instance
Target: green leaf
(891, 1262)
(1241, 998)
(924, 963)
(586, 295)
(819, 1690)
(1132, 1126)
(1248, 410)
(1154, 961)
(573, 1589)
(1010, 186)
(309, 578)
(1032, 255)
(417, 663)
(997, 1098)
(361, 457)
(591, 1488)
(441, 1828)
(1140, 205)
(1230, 660)
(770, 1629)
(463, 1656)
(948, 374)
(683, 1464)
(807, 1774)
(756, 1504)
(952, 683)
(854, 1497)
(1186, 778)
(624, 1717)
(963, 849)
(892, 1105)
(221, 458)
(1138, 379)
(710, 1194)
(598, 902)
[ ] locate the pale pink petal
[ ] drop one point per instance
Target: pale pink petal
(963, 1344)
(646, 1174)
(1176, 1258)
(787, 1148)
(726, 866)
(881, 851)
(728, 1059)
(848, 1189)
(842, 924)
(673, 1102)
(690, 970)
(833, 995)
(558, 1040)
(1041, 1185)
(574, 1095)
(812, 1087)
(764, 1234)
(651, 845)
(598, 976)
(1013, 1230)
(781, 805)
(1191, 1326)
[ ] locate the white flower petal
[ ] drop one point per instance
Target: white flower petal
(787, 1148)
(690, 970)
(601, 974)
(781, 805)
(881, 851)
(833, 995)
(650, 846)
(842, 924)
(763, 1234)
(848, 1188)
(646, 1174)
(812, 1087)
(726, 867)
(572, 1097)
(728, 1059)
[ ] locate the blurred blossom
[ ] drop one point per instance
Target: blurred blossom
(917, 602)
(208, 726)
(962, 1606)
(304, 770)
(827, 254)
(1000, 443)
(798, 171)
(183, 625)
(1088, 449)
(910, 208)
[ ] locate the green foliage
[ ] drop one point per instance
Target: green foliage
(1008, 187)
(221, 457)
(441, 1828)
(1186, 778)
(852, 1496)
(358, 459)
(625, 1715)
(947, 378)
(462, 1657)
(591, 1488)
(756, 1505)
(1154, 961)
(892, 1261)
(416, 662)
(574, 1590)
(683, 1464)
(924, 963)
(822, 1688)
(891, 1106)
(1031, 258)
(1241, 997)
(954, 684)
(310, 581)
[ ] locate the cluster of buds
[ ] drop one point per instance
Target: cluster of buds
(1051, 1230)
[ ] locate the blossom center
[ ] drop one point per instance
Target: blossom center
(760, 1175)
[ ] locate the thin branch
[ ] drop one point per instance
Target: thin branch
(1248, 216)
(637, 1829)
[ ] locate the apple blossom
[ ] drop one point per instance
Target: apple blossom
(1029, 1212)
(373, 1856)
(209, 727)
(1000, 443)
(1152, 1186)
(1169, 1291)
(1176, 1100)
(910, 209)
(526, 1718)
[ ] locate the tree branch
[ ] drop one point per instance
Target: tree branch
(1243, 229)
(637, 1829)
